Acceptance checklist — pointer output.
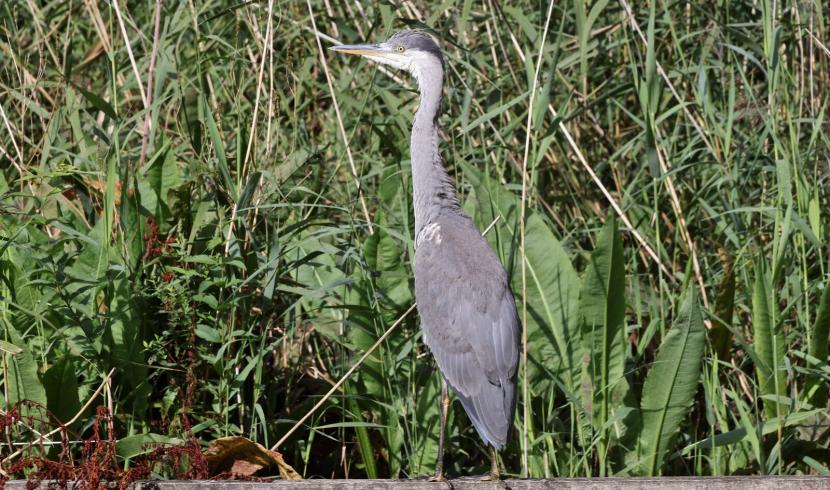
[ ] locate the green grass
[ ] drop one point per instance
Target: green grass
(229, 274)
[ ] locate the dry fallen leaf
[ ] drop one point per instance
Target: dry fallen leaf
(286, 471)
(242, 456)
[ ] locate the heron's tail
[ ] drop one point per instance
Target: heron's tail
(491, 411)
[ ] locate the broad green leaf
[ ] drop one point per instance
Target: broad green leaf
(208, 333)
(22, 380)
(152, 171)
(720, 335)
(20, 266)
(133, 223)
(124, 336)
(136, 445)
(61, 386)
(814, 215)
(553, 299)
(602, 315)
(670, 385)
(9, 348)
(160, 176)
(110, 198)
(552, 283)
(207, 299)
(87, 273)
(769, 344)
(171, 179)
(323, 283)
(384, 256)
(818, 348)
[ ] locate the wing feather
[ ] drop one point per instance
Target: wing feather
(469, 321)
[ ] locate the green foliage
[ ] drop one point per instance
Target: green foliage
(218, 260)
(602, 315)
(670, 386)
(22, 381)
(720, 335)
(818, 350)
(769, 346)
(61, 385)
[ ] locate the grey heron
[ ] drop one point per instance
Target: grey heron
(468, 314)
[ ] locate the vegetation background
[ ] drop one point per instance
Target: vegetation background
(179, 207)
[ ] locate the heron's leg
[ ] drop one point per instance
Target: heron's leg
(494, 465)
(445, 405)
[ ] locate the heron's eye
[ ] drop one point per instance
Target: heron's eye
(401, 49)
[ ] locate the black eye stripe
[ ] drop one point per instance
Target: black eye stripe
(414, 40)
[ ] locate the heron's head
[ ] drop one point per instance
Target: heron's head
(413, 51)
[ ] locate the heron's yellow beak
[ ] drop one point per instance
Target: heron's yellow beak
(361, 49)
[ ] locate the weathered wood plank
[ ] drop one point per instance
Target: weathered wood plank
(664, 483)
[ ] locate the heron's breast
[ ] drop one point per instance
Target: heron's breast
(430, 233)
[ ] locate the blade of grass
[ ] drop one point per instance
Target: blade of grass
(340, 120)
(522, 233)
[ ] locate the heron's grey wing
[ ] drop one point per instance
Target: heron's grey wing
(469, 321)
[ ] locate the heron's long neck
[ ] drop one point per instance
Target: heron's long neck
(433, 191)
